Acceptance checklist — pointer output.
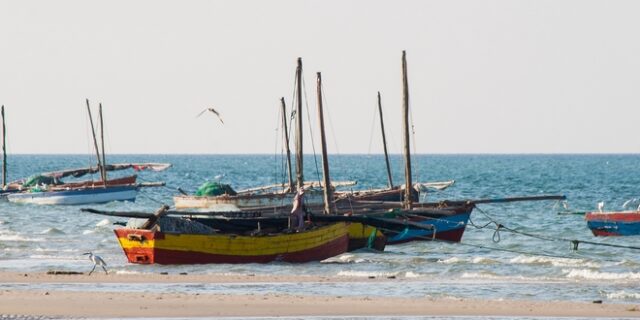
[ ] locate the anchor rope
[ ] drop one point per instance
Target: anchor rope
(574, 242)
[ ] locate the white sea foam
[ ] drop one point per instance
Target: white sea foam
(363, 274)
(556, 262)
(53, 250)
(623, 295)
(453, 260)
(15, 237)
(52, 231)
(344, 258)
(128, 272)
(476, 275)
(85, 232)
(410, 274)
(483, 260)
(103, 222)
(597, 275)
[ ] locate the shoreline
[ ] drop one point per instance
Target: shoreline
(103, 304)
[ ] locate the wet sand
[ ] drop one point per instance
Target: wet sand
(88, 303)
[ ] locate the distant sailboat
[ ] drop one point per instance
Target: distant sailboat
(48, 188)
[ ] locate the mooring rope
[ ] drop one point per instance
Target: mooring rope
(574, 242)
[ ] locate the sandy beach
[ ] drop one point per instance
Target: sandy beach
(28, 300)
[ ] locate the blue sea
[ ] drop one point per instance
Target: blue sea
(535, 262)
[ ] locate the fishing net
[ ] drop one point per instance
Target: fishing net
(38, 180)
(215, 189)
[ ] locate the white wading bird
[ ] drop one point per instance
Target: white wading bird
(600, 206)
(212, 110)
(97, 261)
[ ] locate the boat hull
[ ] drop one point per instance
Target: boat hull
(614, 223)
(448, 228)
(363, 236)
(243, 201)
(281, 200)
(76, 196)
(148, 247)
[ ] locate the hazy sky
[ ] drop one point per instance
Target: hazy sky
(485, 76)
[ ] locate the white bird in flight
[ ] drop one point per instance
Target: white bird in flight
(97, 261)
(212, 110)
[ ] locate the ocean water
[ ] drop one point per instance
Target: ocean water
(486, 264)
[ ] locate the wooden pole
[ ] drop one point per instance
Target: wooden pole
(384, 143)
(286, 142)
(104, 159)
(405, 127)
(299, 133)
(328, 196)
(95, 144)
(4, 150)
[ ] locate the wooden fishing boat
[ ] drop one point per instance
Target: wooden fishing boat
(48, 188)
(244, 200)
(624, 223)
(165, 247)
(77, 196)
(58, 192)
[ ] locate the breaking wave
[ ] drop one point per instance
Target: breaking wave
(597, 275)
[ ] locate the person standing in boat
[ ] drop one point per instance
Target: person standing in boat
(297, 212)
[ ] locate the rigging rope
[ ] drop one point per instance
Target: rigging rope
(432, 238)
(574, 242)
(333, 133)
(415, 148)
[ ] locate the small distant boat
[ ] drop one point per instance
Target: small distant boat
(48, 188)
(77, 196)
(56, 192)
(624, 223)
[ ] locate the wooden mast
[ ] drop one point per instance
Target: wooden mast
(328, 196)
(286, 142)
(95, 144)
(384, 143)
(104, 159)
(4, 150)
(405, 126)
(299, 133)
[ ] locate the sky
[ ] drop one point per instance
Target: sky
(484, 76)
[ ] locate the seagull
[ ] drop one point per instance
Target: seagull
(628, 202)
(212, 110)
(600, 206)
(97, 261)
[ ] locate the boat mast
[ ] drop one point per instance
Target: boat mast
(4, 150)
(286, 142)
(405, 126)
(299, 133)
(328, 196)
(384, 143)
(95, 144)
(104, 159)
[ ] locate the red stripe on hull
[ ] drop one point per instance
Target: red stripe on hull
(162, 256)
(601, 233)
(618, 216)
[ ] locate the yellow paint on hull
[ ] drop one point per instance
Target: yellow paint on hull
(241, 245)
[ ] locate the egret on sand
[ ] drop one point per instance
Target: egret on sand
(212, 110)
(97, 261)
